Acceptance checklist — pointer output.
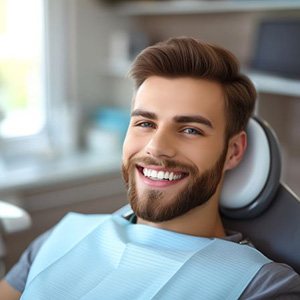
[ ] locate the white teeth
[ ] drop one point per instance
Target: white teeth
(145, 172)
(153, 173)
(161, 175)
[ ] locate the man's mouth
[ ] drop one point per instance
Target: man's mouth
(158, 174)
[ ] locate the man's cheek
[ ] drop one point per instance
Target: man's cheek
(125, 172)
(126, 144)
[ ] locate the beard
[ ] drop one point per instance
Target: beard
(152, 205)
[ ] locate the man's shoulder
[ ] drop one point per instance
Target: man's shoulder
(74, 226)
(279, 272)
(274, 281)
(236, 258)
(17, 276)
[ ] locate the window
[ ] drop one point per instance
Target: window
(36, 60)
(22, 88)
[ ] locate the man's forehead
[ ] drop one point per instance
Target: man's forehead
(180, 96)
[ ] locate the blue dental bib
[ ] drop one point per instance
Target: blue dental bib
(107, 257)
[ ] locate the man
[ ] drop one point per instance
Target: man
(187, 128)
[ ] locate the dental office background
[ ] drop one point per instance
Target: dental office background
(65, 98)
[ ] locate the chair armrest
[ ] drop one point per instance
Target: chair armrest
(13, 218)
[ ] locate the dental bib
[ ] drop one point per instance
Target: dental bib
(107, 257)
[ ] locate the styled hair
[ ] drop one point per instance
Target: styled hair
(188, 57)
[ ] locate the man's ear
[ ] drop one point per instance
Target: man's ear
(236, 149)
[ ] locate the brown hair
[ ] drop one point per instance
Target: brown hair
(188, 57)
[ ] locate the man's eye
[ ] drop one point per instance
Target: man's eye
(145, 124)
(192, 131)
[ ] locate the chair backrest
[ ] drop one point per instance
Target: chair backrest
(267, 213)
(255, 202)
(276, 231)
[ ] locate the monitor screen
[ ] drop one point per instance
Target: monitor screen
(278, 48)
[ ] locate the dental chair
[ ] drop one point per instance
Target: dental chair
(256, 203)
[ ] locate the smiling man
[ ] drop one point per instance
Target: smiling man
(175, 153)
(189, 112)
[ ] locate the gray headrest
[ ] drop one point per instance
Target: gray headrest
(249, 188)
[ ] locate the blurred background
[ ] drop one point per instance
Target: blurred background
(64, 95)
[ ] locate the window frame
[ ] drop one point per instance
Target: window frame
(59, 65)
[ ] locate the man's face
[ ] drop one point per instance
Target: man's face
(174, 151)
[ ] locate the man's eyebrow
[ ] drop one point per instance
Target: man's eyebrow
(193, 119)
(177, 119)
(144, 113)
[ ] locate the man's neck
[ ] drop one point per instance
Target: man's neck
(203, 221)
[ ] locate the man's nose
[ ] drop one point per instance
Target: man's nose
(161, 144)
